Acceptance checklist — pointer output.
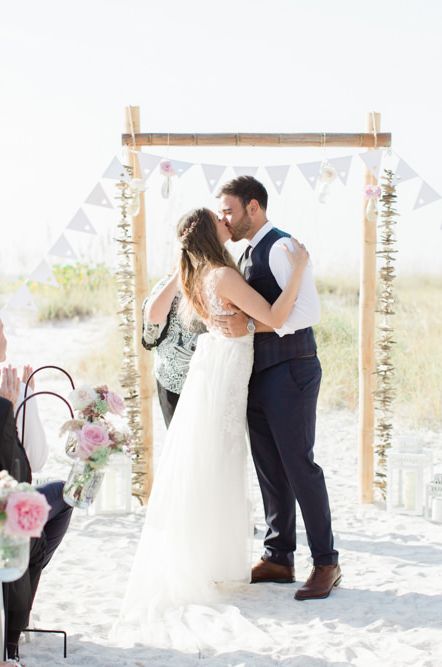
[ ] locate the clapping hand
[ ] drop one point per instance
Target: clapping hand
(10, 385)
(27, 372)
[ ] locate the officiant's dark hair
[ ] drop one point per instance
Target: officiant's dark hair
(200, 248)
(246, 188)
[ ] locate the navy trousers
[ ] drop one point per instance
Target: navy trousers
(58, 519)
(282, 418)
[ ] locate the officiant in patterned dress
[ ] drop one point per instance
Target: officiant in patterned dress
(174, 343)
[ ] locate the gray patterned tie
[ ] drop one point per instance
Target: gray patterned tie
(244, 259)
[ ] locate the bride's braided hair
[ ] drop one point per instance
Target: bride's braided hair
(200, 250)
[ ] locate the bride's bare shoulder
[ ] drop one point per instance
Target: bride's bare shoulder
(225, 274)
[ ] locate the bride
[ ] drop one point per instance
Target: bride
(196, 533)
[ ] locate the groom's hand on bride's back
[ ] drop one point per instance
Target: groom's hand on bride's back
(234, 325)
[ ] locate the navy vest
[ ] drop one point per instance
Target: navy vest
(271, 349)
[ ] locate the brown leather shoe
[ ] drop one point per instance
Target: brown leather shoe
(267, 571)
(322, 580)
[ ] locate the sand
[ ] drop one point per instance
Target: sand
(387, 611)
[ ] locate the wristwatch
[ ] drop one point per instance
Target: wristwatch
(251, 327)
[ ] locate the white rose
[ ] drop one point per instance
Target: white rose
(83, 396)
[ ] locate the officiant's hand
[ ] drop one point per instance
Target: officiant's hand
(234, 325)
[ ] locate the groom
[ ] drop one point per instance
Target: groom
(283, 393)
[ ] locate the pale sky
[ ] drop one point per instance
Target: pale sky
(68, 69)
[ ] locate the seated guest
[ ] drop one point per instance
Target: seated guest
(19, 461)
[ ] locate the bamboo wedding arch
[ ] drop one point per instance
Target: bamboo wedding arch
(372, 138)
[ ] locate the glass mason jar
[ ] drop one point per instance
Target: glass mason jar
(14, 556)
(82, 485)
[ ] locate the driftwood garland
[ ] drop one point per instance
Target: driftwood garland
(385, 391)
(129, 377)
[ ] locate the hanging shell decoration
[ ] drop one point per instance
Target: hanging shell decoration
(167, 170)
(327, 174)
(372, 194)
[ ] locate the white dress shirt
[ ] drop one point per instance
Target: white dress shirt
(306, 311)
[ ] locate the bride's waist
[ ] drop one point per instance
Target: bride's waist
(217, 335)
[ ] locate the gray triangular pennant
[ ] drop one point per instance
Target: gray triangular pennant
(98, 197)
(372, 160)
(148, 163)
(427, 195)
(81, 223)
(114, 170)
(62, 248)
(180, 167)
(342, 166)
(22, 299)
(43, 274)
(310, 171)
(213, 173)
(245, 171)
(404, 172)
(278, 174)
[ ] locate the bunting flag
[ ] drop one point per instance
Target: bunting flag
(148, 163)
(245, 171)
(62, 248)
(403, 172)
(342, 166)
(43, 274)
(98, 197)
(213, 173)
(310, 170)
(180, 167)
(22, 299)
(114, 170)
(426, 196)
(372, 160)
(278, 174)
(81, 223)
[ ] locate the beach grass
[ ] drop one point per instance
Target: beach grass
(91, 291)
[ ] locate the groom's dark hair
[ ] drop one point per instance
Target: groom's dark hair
(246, 188)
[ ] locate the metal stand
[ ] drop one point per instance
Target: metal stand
(53, 632)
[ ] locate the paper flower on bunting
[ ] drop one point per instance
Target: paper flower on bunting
(167, 170)
(327, 174)
(372, 194)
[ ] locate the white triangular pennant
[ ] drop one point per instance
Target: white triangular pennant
(403, 172)
(310, 170)
(278, 174)
(81, 223)
(342, 166)
(213, 173)
(98, 197)
(62, 248)
(372, 160)
(426, 196)
(148, 163)
(43, 274)
(180, 167)
(22, 299)
(114, 170)
(245, 171)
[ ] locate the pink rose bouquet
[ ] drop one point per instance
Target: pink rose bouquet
(93, 433)
(23, 510)
(26, 513)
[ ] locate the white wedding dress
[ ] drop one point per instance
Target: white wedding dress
(198, 530)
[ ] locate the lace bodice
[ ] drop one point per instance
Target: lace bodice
(214, 303)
